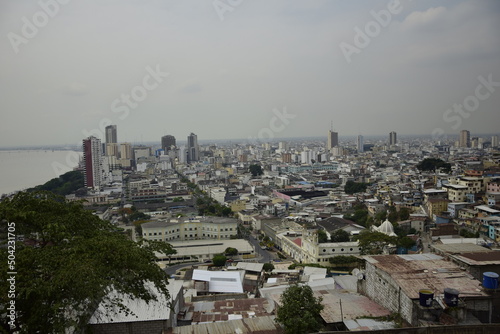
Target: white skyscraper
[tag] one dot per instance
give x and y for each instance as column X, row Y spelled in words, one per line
column 360, row 144
column 494, row 141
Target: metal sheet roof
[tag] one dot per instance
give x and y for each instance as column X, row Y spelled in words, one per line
column 141, row 310
column 221, row 281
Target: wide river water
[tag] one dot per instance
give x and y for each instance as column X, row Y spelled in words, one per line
column 22, row 169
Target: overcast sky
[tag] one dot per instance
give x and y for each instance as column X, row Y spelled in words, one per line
column 240, row 68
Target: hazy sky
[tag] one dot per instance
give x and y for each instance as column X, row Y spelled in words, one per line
column 230, row 63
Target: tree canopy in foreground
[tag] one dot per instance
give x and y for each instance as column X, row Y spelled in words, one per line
column 68, row 262
column 299, row 311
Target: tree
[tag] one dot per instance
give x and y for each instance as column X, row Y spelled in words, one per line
column 340, row 236
column 299, row 311
column 404, row 214
column 69, row 261
column 322, row 236
column 352, row 187
column 231, row 251
column 268, row 267
column 65, row 184
column 406, row 242
column 374, row 242
column 219, row 260
column 431, row 164
column 255, row 170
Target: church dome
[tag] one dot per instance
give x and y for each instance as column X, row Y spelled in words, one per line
column 387, row 228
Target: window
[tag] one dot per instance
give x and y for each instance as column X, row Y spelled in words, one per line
column 350, row 249
column 341, row 249
column 324, row 250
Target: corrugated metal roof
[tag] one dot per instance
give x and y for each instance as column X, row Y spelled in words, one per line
column 221, row 281
column 434, row 274
column 258, row 325
column 250, row 266
column 141, row 311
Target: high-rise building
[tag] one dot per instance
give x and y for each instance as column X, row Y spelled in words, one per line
column 111, row 136
column 112, row 149
column 464, row 140
column 167, row 143
column 92, row 157
column 193, row 150
column 393, row 139
column 361, row 144
column 125, row 151
column 494, row 141
column 332, row 140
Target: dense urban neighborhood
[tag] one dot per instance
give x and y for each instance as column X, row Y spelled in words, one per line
column 378, row 234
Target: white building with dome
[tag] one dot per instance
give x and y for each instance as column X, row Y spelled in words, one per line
column 386, row 227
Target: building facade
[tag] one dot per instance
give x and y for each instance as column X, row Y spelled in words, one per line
column 92, row 157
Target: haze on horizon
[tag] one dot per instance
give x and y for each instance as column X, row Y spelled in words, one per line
column 233, row 66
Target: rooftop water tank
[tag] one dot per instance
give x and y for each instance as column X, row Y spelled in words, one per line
column 451, row 297
column 490, row 280
column 426, row 296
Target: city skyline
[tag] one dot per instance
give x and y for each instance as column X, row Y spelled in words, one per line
column 182, row 67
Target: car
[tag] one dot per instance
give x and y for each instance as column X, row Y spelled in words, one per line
column 207, row 261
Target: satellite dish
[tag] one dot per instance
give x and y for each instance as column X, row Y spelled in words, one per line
column 355, row 272
column 360, row 276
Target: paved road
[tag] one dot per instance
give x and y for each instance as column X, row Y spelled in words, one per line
column 171, row 270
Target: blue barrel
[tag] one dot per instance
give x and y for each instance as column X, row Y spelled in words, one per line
column 490, row 280
column 426, row 296
column 451, row 297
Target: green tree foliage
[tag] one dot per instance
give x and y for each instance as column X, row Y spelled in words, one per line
column 137, row 215
column 431, row 164
column 352, row 187
column 360, row 215
column 63, row 185
column 68, row 262
column 255, row 170
column 405, row 242
column 340, row 236
column 374, row 242
column 381, row 215
column 299, row 311
column 219, row 260
column 231, row 251
column 268, row 267
column 344, row 260
column 322, row 236
column 404, row 214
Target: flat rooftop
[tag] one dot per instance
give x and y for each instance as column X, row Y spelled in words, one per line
column 426, row 271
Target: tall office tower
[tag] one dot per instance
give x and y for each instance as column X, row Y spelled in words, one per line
column 393, row 139
column 111, row 134
column 332, row 140
column 167, row 143
column 92, row 168
column 494, row 141
column 125, row 151
column 464, row 140
column 112, row 149
column 361, row 144
column 193, row 150
column 111, row 138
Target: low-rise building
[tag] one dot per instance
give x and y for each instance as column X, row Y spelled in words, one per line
column 197, row 228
